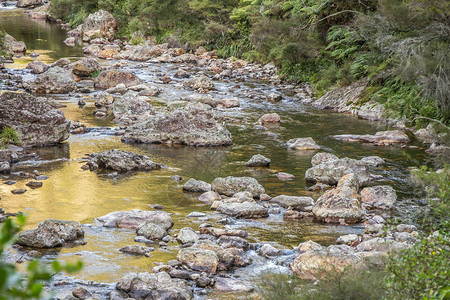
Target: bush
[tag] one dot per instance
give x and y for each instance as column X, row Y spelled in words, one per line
column 8, row 135
column 420, row 272
column 14, row 285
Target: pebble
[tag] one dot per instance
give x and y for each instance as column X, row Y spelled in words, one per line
column 157, row 206
column 9, row 182
column 18, row 191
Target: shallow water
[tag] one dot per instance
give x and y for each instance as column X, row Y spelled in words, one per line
column 73, row 194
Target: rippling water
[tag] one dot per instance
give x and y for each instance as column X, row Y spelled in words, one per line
column 73, row 194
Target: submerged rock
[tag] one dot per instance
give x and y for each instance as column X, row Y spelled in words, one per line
column 258, row 160
column 194, row 125
column 269, row 118
column 137, row 250
column 380, row 138
column 55, row 80
column 36, row 122
column 231, row 185
column 302, row 144
column 121, row 161
column 50, row 234
column 340, row 203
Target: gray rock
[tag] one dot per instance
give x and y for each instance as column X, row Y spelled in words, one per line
column 258, row 160
column 137, row 250
column 209, row 197
column 232, row 285
column 244, row 210
column 231, row 185
column 131, row 109
column 51, row 233
column 200, row 83
column 196, row 186
column 86, row 67
column 151, row 231
column 302, row 144
column 132, row 219
column 37, row 67
column 197, row 259
column 113, row 77
column 99, row 24
column 380, row 138
column 267, row 250
column 381, row 197
column 285, row 176
column 55, row 80
column 187, row 235
column 297, row 203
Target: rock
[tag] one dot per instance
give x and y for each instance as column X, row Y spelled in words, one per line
column 231, row 185
column 64, row 63
column 137, row 250
column 113, row 77
column 312, row 264
column 18, row 191
column 307, row 246
column 241, row 259
column 121, row 161
column 379, row 244
column 14, row 46
column 194, row 125
column 269, row 118
column 228, row 102
column 302, row 144
column 142, row 286
column 104, row 99
column 381, row 197
column 341, row 202
column 196, row 186
column 258, row 160
column 232, row 285
column 181, row 74
column 199, row 259
column 209, row 197
column 374, row 229
column 329, row 170
column 268, row 250
column 28, row 3
column 205, row 99
column 132, row 219
column 297, row 203
column 36, row 122
column 55, row 80
column 199, row 83
column 131, row 109
column 144, row 53
column 228, row 241
column 373, row 161
column 380, row 138
column 187, row 235
column 406, row 228
column 40, row 12
column 81, row 293
column 349, row 239
column 37, row 67
column 274, row 97
column 151, row 231
column 244, row 210
column 285, row 176
column 218, row 232
column 86, row 67
column 34, row 184
column 50, row 234
column 404, row 237
column 226, row 259
column 70, row 41
column 99, row 24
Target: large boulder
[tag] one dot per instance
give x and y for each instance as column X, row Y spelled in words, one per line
column 196, row 186
column 37, row 67
column 143, row 53
column 86, row 67
column 131, row 108
column 245, row 210
column 195, row 125
column 113, row 77
column 315, row 263
column 36, row 122
column 14, row 46
column 329, row 169
column 231, row 185
column 121, row 161
column 226, row 259
column 381, row 197
column 132, row 219
column 151, row 231
column 55, row 80
column 198, row 259
column 51, row 233
column 99, row 25
column 340, row 203
column 142, row 286
column 28, row 3
column 297, row 203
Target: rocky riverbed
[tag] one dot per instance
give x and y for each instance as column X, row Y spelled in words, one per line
column 178, row 175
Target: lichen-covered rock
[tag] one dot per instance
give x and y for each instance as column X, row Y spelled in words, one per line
column 142, row 286
column 113, row 77
column 340, row 203
column 28, row 3
column 380, row 138
column 269, row 119
column 146, row 52
column 381, row 197
column 195, row 125
column 99, row 24
column 245, row 210
column 258, row 160
column 86, row 67
column 226, row 259
column 231, row 185
column 297, row 203
column 187, row 235
column 37, row 67
column 151, row 231
column 51, row 233
column 121, row 161
column 36, row 122
column 196, row 186
column 14, row 46
column 131, row 108
column 55, row 80
column 200, row 83
column 228, row 102
column 197, row 259
column 302, row 144
column 132, row 219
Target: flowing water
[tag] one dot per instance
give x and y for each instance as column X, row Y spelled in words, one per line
column 73, row 194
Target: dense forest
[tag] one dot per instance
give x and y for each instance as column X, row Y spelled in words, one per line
column 399, row 47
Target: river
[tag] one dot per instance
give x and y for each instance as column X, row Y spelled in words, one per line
column 73, row 194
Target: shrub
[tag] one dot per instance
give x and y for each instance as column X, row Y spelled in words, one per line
column 8, row 135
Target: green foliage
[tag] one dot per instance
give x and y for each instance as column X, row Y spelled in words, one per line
column 437, row 188
column 420, row 272
column 349, row 284
column 14, row 285
column 8, row 135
